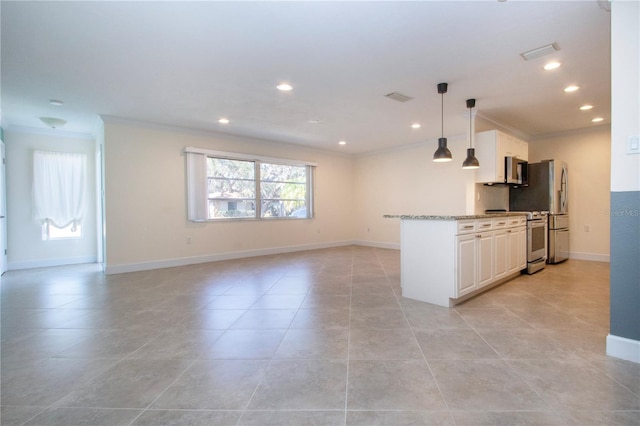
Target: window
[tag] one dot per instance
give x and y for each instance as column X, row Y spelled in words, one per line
column 232, row 188
column 224, row 185
column 59, row 193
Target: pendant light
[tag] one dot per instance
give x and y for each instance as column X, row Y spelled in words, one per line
column 471, row 162
column 442, row 154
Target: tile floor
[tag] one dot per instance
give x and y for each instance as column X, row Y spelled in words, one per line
column 312, row 338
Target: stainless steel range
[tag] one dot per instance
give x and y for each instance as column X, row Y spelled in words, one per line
column 536, row 241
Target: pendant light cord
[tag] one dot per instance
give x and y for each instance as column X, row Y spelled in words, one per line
column 442, row 115
column 470, row 135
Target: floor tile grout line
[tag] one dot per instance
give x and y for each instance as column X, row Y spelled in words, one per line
column 402, row 308
column 273, row 357
column 346, row 385
column 179, row 376
column 413, row 334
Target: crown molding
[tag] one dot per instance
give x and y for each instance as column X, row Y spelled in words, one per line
column 48, row 132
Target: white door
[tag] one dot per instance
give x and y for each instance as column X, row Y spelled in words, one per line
column 3, row 215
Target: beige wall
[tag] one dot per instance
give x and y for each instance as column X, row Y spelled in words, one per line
column 145, row 201
column 588, row 154
column 26, row 249
column 407, row 181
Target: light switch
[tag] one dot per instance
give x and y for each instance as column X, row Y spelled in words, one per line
column 633, row 145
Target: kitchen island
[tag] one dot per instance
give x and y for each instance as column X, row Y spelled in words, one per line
column 448, row 259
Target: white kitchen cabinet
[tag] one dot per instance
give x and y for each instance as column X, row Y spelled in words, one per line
column 484, row 262
column 446, row 259
column 466, row 249
column 492, row 147
column 501, row 252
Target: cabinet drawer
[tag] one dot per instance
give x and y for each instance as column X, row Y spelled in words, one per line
column 500, row 223
column 513, row 222
column 464, row 227
column 483, row 225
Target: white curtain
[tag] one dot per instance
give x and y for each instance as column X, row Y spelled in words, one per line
column 59, row 187
column 197, row 191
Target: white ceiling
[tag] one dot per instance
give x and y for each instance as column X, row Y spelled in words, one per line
column 189, row 63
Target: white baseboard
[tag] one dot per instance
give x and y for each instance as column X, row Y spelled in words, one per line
column 378, row 244
column 182, row 261
column 623, row 348
column 589, row 256
column 44, row 263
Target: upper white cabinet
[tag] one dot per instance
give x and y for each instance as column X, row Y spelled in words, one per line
column 491, row 148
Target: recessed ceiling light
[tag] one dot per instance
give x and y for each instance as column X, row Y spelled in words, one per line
column 314, row 121
column 285, row 87
column 56, row 102
column 597, row 119
column 552, row 66
column 571, row 88
column 223, row 121
column 342, row 143
column 416, row 126
column 586, row 107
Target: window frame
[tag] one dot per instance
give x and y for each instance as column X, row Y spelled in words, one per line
column 257, row 161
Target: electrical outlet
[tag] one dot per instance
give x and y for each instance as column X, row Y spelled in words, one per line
column 587, row 228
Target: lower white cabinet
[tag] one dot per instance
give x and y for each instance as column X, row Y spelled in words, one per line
column 484, row 242
column 489, row 254
column 445, row 258
column 517, row 253
column 466, row 271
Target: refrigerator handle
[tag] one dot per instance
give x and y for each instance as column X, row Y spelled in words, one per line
column 564, row 191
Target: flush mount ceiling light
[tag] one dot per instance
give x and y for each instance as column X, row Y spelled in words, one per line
column 342, row 143
column 540, row 51
column 571, row 88
column 471, row 162
column 53, row 122
column 284, row 87
column 223, row 120
column 552, row 65
column 416, row 126
column 586, row 107
column 442, row 154
column 56, row 102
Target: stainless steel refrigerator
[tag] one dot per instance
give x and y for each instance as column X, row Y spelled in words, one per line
column 548, row 191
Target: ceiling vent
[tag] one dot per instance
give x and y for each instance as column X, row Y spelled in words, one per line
column 398, row 97
column 540, row 51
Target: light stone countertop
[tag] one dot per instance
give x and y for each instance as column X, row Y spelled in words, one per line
column 452, row 217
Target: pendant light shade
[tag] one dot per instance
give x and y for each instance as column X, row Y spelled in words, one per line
column 471, row 162
column 442, row 154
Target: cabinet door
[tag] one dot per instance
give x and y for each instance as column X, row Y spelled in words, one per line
column 518, row 249
column 502, row 147
column 514, row 251
column 465, row 264
column 501, row 258
column 484, row 258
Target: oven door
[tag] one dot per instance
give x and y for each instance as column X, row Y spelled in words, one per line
column 536, row 240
